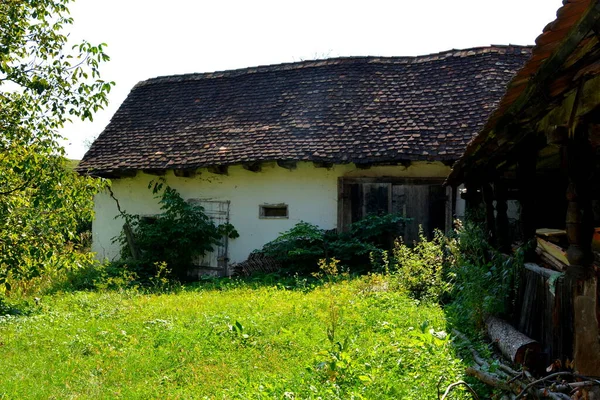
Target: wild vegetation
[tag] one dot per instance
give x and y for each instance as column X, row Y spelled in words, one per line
column 300, row 249
column 334, row 338
column 485, row 281
column 174, row 237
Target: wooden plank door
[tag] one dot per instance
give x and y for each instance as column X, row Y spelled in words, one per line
column 216, row 260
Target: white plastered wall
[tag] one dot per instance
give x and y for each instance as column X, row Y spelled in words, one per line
column 309, row 192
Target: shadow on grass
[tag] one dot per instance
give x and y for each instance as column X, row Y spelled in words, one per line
column 465, row 338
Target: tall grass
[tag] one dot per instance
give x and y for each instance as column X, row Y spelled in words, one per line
column 230, row 340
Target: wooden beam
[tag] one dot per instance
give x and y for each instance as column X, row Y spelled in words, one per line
column 287, row 164
column 253, row 167
column 184, row 173
column 321, row 164
column 364, row 166
column 218, row 169
column 155, row 171
column 118, row 174
column 395, row 180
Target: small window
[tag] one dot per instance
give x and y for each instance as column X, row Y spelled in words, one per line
column 148, row 219
column 273, row 211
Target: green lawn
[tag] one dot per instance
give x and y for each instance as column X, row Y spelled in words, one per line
column 233, row 342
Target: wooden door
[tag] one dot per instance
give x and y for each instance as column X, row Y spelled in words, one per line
column 216, row 260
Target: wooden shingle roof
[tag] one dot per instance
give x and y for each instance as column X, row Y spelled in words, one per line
column 363, row 110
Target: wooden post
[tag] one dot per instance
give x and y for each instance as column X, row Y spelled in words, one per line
column 472, row 201
column 579, row 222
column 526, row 183
column 579, row 226
column 502, row 236
column 133, row 249
column 490, row 221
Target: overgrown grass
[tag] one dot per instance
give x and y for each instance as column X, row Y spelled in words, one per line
column 230, row 340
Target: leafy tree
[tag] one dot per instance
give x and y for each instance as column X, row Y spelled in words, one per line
column 43, row 84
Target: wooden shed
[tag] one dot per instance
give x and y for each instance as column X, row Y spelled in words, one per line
column 541, row 147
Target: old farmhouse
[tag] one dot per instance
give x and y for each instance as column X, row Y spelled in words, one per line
column 324, row 141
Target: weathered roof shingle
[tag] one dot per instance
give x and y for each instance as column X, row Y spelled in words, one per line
column 357, row 109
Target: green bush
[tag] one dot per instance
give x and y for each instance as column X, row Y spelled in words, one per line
column 177, row 235
column 300, row 248
column 422, row 269
column 486, row 280
column 463, row 271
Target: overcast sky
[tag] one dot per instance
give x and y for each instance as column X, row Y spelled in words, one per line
column 148, row 38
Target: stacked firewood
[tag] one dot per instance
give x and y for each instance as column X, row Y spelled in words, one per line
column 256, row 263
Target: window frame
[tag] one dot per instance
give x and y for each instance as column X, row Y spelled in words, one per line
column 263, row 207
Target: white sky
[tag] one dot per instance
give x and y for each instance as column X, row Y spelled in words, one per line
column 153, row 38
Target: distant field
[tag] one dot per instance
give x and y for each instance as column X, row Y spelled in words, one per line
column 72, row 164
column 233, row 342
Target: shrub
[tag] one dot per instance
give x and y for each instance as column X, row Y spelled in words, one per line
column 422, row 269
column 177, row 235
column 301, row 248
column 486, row 280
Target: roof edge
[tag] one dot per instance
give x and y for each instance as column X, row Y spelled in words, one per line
column 498, row 49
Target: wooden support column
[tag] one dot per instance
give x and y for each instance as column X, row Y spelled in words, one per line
column 454, row 205
column 502, row 236
column 579, row 226
column 490, row 221
column 472, row 201
column 579, row 222
column 526, row 163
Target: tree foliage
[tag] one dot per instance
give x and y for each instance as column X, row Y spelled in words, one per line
column 43, row 84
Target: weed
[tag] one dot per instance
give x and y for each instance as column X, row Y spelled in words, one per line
column 422, row 270
column 486, row 280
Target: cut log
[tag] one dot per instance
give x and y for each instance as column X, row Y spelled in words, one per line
column 514, row 345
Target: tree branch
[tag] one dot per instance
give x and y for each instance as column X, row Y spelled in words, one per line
column 455, row 384
column 23, row 186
